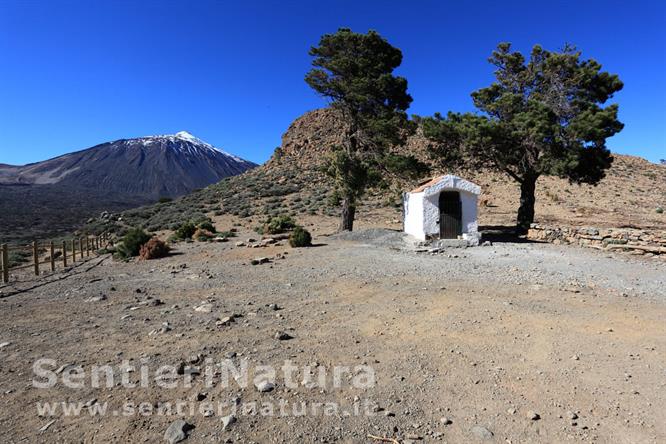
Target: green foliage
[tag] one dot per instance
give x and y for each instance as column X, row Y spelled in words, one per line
column 208, row 226
column 164, row 199
column 278, row 224
column 185, row 231
column 355, row 72
column 130, row 244
column 300, row 237
column 18, row 257
column 544, row 116
column 659, row 210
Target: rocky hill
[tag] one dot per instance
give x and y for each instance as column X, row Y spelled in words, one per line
column 291, row 182
column 57, row 195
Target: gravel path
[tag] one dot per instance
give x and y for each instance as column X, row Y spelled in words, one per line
column 506, row 343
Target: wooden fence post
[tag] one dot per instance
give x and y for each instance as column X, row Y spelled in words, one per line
column 87, row 246
column 35, row 255
column 81, row 247
column 52, row 256
column 64, row 254
column 5, row 263
column 73, row 250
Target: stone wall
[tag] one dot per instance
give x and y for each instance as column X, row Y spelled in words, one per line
column 647, row 242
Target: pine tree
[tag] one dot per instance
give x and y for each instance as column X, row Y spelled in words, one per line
column 355, row 73
column 540, row 117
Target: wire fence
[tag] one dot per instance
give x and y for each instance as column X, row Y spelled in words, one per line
column 49, row 255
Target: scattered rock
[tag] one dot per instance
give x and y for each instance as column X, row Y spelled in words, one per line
column 264, row 386
column 177, row 431
column 259, row 260
column 446, row 421
column 227, row 421
column 283, row 336
column 5, row 344
column 534, row 416
column 204, row 308
column 482, row 432
column 227, row 320
column 98, row 298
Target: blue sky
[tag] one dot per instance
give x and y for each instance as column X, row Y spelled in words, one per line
column 77, row 73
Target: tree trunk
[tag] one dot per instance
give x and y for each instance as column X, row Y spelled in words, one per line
column 347, row 215
column 526, row 209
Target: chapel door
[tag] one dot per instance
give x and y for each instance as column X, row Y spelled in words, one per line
column 450, row 215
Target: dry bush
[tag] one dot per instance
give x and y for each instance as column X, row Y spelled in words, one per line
column 154, row 249
column 202, row 235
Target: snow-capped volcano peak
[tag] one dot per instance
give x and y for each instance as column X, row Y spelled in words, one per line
column 184, row 135
column 192, row 143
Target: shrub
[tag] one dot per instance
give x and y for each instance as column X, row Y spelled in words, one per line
column 300, row 237
column 164, row 199
column 185, row 231
column 18, row 257
column 154, row 249
column 131, row 243
column 202, row 235
column 278, row 224
column 660, row 210
column 208, row 226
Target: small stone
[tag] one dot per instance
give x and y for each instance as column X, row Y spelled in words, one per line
column 446, row 421
column 264, row 386
column 227, row 320
column 197, row 397
column 177, row 431
column 572, row 415
column 230, row 355
column 227, row 421
column 204, row 308
column 534, row 416
column 273, row 307
column 98, row 298
column 5, row 344
column 482, row 432
column 575, row 357
column 282, row 336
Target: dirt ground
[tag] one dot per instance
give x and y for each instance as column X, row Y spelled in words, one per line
column 514, row 342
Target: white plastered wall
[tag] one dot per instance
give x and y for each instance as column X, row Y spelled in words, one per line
column 414, row 215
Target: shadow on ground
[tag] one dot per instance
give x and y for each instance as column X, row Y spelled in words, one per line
column 502, row 233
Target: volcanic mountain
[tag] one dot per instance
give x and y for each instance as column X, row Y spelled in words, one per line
column 60, row 193
column 150, row 167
